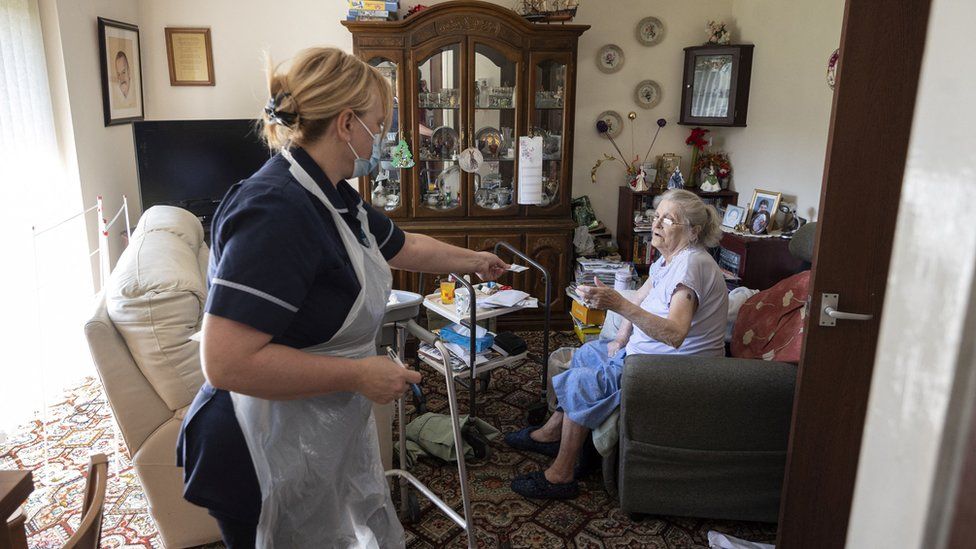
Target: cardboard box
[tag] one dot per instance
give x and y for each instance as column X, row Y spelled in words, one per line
column 584, row 332
column 587, row 315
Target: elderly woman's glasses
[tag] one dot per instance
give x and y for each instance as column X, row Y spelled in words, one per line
column 666, row 221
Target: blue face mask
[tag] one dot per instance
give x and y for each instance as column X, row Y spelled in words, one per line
column 365, row 166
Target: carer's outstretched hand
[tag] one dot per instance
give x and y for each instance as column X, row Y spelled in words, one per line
column 382, row 380
column 489, row 266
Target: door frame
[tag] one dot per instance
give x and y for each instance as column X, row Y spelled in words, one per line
column 831, row 397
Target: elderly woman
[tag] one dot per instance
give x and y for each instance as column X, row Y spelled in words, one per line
column 681, row 309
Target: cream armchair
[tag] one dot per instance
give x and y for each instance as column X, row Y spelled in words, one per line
column 151, row 371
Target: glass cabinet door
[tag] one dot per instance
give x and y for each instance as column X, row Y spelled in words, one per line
column 439, row 186
column 385, row 189
column 712, row 86
column 494, row 85
column 548, row 100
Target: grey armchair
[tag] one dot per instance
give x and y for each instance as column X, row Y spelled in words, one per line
column 704, row 437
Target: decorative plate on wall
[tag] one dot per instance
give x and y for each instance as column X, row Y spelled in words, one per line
column 615, row 123
column 650, row 31
column 647, row 94
column 610, row 58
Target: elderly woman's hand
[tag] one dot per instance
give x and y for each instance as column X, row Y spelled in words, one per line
column 600, row 296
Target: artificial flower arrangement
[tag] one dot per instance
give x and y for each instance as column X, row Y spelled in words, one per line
column 635, row 168
column 708, row 169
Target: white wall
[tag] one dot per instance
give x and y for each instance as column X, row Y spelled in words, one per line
column 105, row 160
column 241, row 31
column 784, row 144
column 923, row 341
column 782, row 149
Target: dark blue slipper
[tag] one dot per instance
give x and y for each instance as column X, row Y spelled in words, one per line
column 535, row 485
column 520, row 440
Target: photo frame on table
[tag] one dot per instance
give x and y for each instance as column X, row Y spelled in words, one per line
column 120, row 62
column 189, row 53
column 762, row 211
column 734, row 215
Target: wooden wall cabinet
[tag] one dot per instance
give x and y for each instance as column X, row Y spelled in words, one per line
column 474, row 74
column 715, row 87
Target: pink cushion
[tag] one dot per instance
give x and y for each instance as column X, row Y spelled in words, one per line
column 770, row 323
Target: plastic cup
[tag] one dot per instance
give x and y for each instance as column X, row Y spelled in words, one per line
column 447, row 291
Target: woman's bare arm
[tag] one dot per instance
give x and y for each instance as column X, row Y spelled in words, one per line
column 239, row 358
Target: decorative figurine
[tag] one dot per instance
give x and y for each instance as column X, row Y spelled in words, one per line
column 676, row 181
column 401, row 156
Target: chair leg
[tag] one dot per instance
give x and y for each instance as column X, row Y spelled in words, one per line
column 16, row 533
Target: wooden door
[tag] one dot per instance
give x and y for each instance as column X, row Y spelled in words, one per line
column 551, row 101
column 438, row 71
column 852, row 256
column 494, row 118
column 552, row 251
column 389, row 189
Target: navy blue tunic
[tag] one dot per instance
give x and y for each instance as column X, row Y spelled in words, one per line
column 277, row 264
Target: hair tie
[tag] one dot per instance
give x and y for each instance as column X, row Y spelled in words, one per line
column 276, row 116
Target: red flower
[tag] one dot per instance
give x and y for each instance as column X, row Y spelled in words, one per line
column 697, row 139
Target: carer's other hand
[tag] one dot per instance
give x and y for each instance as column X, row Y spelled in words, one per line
column 489, row 267
column 382, row 380
column 600, row 296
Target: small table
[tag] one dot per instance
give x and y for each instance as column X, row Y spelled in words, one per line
column 15, row 486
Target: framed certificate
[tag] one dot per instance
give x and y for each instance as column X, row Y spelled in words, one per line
column 190, row 56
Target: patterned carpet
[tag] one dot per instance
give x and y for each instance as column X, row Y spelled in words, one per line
column 81, row 424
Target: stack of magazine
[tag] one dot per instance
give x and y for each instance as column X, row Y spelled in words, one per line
column 459, row 355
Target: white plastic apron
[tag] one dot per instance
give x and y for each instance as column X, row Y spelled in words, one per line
column 317, row 459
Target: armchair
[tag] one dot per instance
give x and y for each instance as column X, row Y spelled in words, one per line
column 704, row 437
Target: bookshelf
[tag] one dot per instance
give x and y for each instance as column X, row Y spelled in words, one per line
column 632, row 243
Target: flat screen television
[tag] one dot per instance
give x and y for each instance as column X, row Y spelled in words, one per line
column 192, row 163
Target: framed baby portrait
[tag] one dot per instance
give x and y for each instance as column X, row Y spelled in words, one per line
column 121, row 67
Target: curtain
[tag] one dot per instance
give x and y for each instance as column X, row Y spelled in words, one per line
column 46, row 279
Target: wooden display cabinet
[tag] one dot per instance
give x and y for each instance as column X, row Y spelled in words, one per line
column 715, row 87
column 474, row 74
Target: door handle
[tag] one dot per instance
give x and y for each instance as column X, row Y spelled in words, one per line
column 829, row 313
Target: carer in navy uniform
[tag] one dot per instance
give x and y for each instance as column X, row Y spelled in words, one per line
column 280, row 444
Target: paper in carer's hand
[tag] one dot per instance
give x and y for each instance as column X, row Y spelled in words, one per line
column 517, row 268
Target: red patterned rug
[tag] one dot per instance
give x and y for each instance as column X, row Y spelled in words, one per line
column 57, row 449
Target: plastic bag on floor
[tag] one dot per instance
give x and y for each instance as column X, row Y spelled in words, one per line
column 718, row 540
column 432, row 435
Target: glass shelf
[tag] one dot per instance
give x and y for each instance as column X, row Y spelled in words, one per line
column 549, row 108
column 494, row 108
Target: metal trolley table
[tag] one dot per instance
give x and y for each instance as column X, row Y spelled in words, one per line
column 399, row 318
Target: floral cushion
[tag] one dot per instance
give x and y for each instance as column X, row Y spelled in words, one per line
column 770, row 323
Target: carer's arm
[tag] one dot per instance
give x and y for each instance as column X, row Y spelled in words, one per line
column 421, row 253
column 239, row 358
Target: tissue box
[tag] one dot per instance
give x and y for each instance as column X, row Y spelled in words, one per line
column 587, row 315
column 453, row 333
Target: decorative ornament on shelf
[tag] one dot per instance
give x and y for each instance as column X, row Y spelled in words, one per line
column 676, row 181
column 401, row 157
column 636, row 171
column 717, row 33
column 415, row 9
column 698, row 143
column 547, row 11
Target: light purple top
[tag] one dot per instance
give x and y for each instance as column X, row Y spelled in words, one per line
column 694, row 268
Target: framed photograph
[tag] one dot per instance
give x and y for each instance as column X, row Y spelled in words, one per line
column 121, row 66
column 733, row 216
column 190, row 56
column 666, row 165
column 762, row 210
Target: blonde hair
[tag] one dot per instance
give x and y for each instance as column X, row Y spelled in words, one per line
column 318, row 85
column 703, row 220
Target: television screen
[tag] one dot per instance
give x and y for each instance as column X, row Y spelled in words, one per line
column 192, row 163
